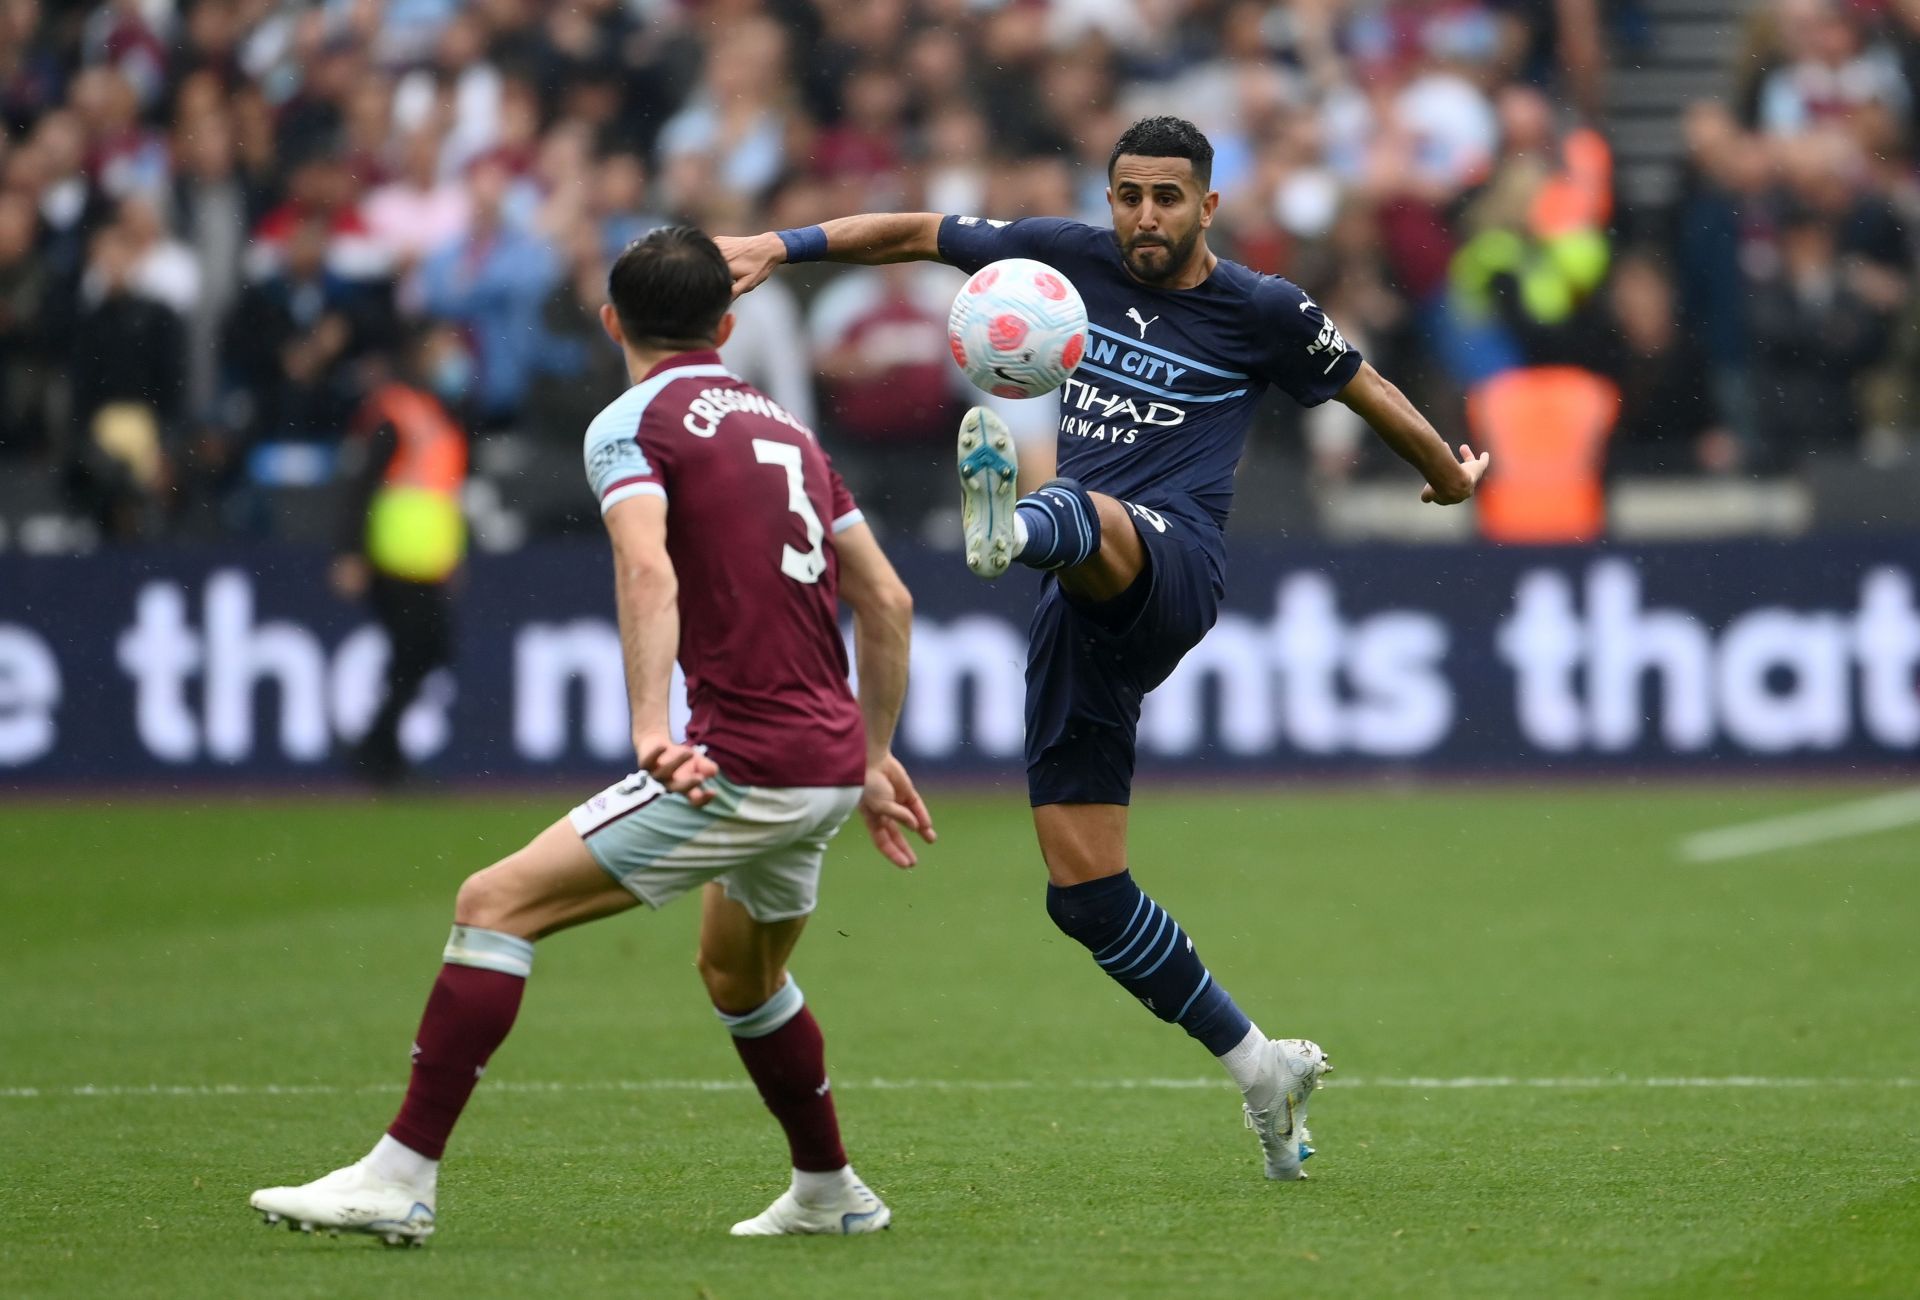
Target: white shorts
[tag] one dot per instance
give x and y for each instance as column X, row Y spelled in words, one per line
column 762, row 843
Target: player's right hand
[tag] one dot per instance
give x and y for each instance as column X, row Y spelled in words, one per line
column 1454, row 494
column 682, row 769
column 751, row 258
column 889, row 803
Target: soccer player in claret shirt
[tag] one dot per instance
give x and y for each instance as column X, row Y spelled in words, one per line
column 733, row 539
column 1181, row 345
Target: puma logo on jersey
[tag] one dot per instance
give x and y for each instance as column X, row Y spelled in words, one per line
column 1133, row 314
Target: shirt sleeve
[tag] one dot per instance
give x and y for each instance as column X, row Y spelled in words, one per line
column 617, row 466
column 971, row 242
column 846, row 512
column 1306, row 354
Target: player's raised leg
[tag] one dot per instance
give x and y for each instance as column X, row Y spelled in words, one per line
column 1061, row 527
column 1093, row 899
column 390, row 1193
column 744, row 965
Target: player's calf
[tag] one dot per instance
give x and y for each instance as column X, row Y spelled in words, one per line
column 785, row 1054
column 1143, row 949
column 390, row 1192
column 1056, row 526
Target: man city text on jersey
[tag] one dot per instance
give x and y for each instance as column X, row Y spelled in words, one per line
column 1158, row 410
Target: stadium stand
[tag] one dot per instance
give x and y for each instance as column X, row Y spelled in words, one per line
column 218, row 216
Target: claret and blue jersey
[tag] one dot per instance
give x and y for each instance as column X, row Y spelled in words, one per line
column 1157, row 412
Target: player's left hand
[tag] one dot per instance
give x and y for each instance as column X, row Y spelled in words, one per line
column 682, row 769
column 1454, row 494
column 751, row 258
column 889, row 803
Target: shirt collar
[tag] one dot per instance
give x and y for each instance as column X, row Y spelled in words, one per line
column 679, row 360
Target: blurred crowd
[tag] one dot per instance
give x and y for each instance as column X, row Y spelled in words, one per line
column 221, row 220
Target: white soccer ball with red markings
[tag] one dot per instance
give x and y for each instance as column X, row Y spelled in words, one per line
column 1018, row 328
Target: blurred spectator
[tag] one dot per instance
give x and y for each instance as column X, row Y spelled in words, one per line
column 958, row 161
column 211, row 212
column 123, row 154
column 119, row 36
column 417, row 212
column 1668, row 424
column 1719, row 229
column 320, row 188
column 1830, row 71
column 493, row 282
column 733, row 118
column 164, row 269
column 620, row 203
column 290, row 339
column 461, row 86
column 31, row 74
column 127, row 362
column 1565, row 37
column 1815, row 331
column 863, row 149
column 1520, row 285
column 880, row 338
column 580, row 369
column 25, row 357
column 408, row 28
column 56, row 157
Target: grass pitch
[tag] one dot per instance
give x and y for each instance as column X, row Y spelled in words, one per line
column 237, row 984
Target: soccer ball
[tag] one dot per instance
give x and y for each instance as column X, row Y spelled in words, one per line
column 1018, row 328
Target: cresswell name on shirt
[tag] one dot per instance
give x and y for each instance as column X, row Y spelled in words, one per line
column 705, row 412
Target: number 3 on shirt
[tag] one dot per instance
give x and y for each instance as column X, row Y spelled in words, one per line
column 807, row 565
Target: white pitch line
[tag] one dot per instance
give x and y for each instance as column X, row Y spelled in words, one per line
column 951, row 1085
column 1842, row 821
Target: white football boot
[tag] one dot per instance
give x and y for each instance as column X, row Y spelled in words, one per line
column 353, row 1199
column 853, row 1209
column 1276, row 1110
column 989, row 485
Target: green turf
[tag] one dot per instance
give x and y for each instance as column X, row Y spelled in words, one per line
column 1549, row 934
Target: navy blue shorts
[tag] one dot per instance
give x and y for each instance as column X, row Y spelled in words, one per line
column 1090, row 666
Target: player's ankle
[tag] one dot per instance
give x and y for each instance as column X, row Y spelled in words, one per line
column 814, row 1187
column 396, row 1162
column 1249, row 1061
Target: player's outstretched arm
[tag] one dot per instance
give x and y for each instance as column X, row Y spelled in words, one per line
column 647, row 596
column 871, row 239
column 882, row 639
column 1402, row 427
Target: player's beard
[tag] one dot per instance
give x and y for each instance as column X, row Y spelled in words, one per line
column 1177, row 251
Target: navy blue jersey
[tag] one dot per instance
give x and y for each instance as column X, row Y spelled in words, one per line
column 1157, row 412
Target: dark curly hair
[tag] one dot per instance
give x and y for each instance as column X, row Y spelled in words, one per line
column 1166, row 137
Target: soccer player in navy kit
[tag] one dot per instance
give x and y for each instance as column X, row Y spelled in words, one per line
column 1181, row 344
column 733, row 541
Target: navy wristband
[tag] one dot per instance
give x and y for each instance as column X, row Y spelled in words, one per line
column 805, row 244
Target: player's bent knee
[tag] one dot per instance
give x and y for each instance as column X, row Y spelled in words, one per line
column 488, row 900
column 736, row 988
